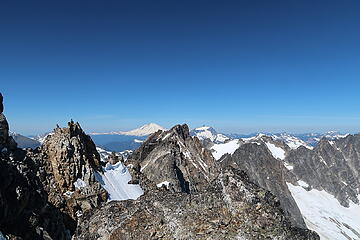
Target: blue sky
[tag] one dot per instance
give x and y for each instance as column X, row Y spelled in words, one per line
column 240, row 66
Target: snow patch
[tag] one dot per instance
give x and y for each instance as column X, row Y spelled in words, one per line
column 220, row 149
column 68, row 194
column 165, row 183
column 292, row 141
column 80, row 183
column 277, row 152
column 115, row 181
column 303, row 184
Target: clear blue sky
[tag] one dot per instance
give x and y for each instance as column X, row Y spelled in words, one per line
column 240, row 66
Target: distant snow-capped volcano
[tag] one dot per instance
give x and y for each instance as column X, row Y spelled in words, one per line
column 142, row 131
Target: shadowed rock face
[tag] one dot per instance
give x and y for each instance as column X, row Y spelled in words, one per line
column 25, row 212
column 333, row 166
column 231, row 207
column 266, row 171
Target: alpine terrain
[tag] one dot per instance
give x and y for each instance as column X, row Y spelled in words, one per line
column 179, row 184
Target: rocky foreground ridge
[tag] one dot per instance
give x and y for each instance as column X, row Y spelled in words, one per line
column 51, row 193
column 189, row 196
column 38, row 197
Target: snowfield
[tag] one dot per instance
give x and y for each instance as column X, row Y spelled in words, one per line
column 277, row 152
column 115, row 181
column 291, row 141
column 220, row 149
column 325, row 215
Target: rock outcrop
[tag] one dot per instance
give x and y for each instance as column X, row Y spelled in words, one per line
column 231, row 207
column 25, row 212
column 69, row 159
column 176, row 158
column 6, row 141
column 266, row 171
column 44, row 191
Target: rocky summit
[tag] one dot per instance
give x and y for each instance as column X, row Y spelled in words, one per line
column 44, row 191
column 175, row 159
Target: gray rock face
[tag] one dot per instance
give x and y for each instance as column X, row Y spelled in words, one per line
column 68, row 158
column 333, row 166
column 266, row 171
column 174, row 156
column 49, row 188
column 231, row 207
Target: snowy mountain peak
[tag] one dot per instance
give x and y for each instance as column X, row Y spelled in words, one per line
column 206, row 132
column 139, row 132
column 144, row 130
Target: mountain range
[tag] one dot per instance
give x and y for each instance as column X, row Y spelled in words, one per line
column 180, row 184
column 130, row 140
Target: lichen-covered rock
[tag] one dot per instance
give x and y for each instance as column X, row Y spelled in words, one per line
column 231, row 207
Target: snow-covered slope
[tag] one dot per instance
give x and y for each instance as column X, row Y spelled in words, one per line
column 325, row 215
column 277, row 152
column 115, row 180
column 206, row 132
column 218, row 150
column 292, row 141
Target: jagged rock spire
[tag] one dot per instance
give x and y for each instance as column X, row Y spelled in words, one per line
column 4, row 126
column 5, row 140
column 1, row 103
